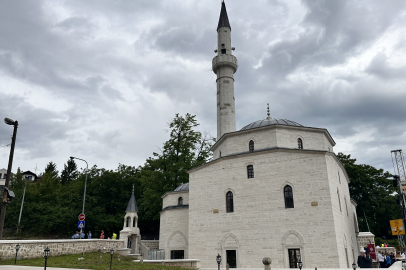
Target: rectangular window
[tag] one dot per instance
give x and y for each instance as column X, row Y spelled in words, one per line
column 223, row 51
column 5, row 176
column 250, row 171
column 294, row 257
column 177, row 254
column 231, row 258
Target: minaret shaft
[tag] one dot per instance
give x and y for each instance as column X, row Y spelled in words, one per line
column 225, row 65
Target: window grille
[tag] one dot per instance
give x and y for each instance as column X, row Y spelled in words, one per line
column 288, row 193
column 250, row 171
column 229, row 202
column 299, row 143
column 251, row 146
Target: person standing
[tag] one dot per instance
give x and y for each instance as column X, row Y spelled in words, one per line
column 114, row 236
column 364, row 261
column 388, row 261
column 89, row 235
column 102, row 235
column 381, row 260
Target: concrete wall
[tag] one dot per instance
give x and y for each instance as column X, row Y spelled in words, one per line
column 260, row 225
column 35, row 248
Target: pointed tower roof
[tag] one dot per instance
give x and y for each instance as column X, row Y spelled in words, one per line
column 223, row 21
column 132, row 204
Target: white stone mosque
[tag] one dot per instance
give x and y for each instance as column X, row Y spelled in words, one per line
column 274, row 189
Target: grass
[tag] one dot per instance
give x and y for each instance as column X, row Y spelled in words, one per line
column 90, row 261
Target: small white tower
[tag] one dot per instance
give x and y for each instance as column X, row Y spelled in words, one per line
column 225, row 65
column 131, row 233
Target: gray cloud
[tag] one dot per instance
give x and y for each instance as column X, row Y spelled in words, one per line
column 100, row 79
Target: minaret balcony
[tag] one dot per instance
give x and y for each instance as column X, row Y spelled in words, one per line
column 224, row 60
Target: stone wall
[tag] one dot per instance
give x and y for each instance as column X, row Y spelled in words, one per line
column 151, row 244
column 35, row 248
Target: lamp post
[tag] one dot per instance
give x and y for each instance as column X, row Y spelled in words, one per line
column 300, row 264
column 111, row 259
column 17, row 249
column 354, row 266
column 84, row 193
column 46, row 255
column 8, row 121
column 218, row 259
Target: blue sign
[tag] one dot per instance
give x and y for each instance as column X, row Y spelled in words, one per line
column 81, row 224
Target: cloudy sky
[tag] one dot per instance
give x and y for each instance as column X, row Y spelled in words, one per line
column 100, row 79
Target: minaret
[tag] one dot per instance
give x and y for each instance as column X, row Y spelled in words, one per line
column 225, row 65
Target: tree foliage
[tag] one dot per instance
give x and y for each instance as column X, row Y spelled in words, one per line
column 372, row 189
column 69, row 172
column 53, row 203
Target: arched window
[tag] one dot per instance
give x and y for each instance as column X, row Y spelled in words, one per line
column 229, row 202
column 134, row 222
column 299, row 143
column 220, row 153
column 288, row 193
column 346, row 206
column 250, row 171
column 339, row 201
column 128, row 222
column 251, row 146
column 180, row 201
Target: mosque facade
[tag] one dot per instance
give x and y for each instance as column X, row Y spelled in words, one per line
column 274, row 189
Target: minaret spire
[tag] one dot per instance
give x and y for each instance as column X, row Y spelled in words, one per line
column 225, row 65
column 223, row 20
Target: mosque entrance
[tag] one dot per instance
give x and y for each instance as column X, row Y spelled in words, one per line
column 231, row 258
column 294, row 257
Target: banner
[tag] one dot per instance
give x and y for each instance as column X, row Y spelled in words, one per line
column 371, row 249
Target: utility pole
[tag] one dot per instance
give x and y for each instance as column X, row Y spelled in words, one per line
column 8, row 121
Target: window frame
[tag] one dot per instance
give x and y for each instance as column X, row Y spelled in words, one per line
column 288, row 196
column 250, row 171
column 229, row 202
column 251, row 146
column 299, row 143
column 180, row 201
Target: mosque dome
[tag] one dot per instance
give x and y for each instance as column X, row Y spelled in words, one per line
column 183, row 187
column 269, row 122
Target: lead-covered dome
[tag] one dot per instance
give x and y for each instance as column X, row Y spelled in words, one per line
column 183, row 187
column 270, row 122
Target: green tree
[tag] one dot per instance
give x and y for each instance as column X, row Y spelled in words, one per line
column 51, row 168
column 372, row 189
column 69, row 172
column 185, row 149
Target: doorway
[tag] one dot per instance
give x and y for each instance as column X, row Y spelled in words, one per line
column 231, row 258
column 294, row 257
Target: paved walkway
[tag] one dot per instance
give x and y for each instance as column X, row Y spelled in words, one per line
column 20, row 267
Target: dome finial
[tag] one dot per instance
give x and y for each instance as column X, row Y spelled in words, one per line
column 269, row 116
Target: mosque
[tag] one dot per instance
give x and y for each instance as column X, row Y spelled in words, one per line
column 274, row 189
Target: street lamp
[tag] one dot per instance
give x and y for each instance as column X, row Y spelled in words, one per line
column 354, row 266
column 111, row 259
column 46, row 255
column 300, row 264
column 218, row 259
column 84, row 193
column 6, row 191
column 17, row 249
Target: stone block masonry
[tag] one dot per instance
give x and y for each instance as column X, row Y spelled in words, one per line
column 35, row 248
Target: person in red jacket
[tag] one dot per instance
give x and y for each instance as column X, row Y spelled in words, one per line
column 102, row 235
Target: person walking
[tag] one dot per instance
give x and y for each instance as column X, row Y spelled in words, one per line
column 102, row 235
column 364, row 261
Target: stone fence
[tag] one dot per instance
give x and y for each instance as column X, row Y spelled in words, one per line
column 35, row 248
